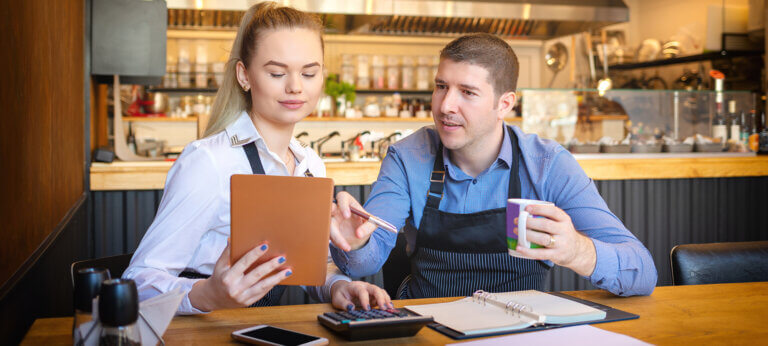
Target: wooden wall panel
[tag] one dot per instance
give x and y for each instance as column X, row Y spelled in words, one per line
column 42, row 132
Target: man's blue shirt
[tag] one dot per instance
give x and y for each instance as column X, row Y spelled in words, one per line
column 547, row 172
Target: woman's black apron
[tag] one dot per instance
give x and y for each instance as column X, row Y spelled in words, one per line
column 457, row 254
column 273, row 296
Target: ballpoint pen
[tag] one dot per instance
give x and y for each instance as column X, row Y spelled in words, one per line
column 374, row 219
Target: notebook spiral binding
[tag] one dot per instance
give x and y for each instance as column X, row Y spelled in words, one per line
column 510, row 307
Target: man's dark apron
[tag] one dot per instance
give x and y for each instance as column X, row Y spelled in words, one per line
column 457, row 254
column 273, row 296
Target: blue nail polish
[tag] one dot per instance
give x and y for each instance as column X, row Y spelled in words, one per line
column 350, row 307
column 367, row 307
column 288, row 273
column 264, row 247
column 281, row 260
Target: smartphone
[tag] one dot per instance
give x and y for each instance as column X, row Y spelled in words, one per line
column 269, row 335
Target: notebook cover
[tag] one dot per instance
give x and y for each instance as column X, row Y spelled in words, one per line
column 292, row 214
column 611, row 315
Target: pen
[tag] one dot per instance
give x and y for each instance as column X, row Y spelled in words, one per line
column 376, row 220
column 372, row 218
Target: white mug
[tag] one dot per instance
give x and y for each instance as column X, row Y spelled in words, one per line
column 516, row 210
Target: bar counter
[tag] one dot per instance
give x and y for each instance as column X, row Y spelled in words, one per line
column 663, row 199
column 122, row 175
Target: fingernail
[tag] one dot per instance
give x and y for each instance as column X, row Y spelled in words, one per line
column 350, row 307
column 281, row 260
column 264, row 247
column 367, row 307
column 391, row 305
column 288, row 273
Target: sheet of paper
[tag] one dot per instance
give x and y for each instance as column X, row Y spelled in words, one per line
column 584, row 335
column 469, row 317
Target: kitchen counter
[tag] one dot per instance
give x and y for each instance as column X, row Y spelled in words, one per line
column 122, row 175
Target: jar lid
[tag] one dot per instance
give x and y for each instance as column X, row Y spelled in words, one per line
column 87, row 286
column 118, row 303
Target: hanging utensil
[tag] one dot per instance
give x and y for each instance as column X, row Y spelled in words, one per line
column 555, row 59
column 605, row 83
column 591, row 56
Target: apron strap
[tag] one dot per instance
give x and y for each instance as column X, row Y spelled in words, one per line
column 437, row 177
column 253, row 158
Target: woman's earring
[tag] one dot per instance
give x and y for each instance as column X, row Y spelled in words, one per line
column 246, row 88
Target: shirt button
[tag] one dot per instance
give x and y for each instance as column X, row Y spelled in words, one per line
column 474, row 181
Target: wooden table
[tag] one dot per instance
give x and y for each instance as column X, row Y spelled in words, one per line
column 672, row 315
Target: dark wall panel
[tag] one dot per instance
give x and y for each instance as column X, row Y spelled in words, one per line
column 661, row 213
column 45, row 288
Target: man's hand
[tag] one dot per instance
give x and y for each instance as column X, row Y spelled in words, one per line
column 349, row 232
column 563, row 245
column 346, row 295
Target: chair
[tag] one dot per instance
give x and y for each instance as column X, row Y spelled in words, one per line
column 697, row 264
column 115, row 264
column 396, row 268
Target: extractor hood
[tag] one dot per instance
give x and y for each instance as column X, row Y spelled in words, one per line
column 531, row 19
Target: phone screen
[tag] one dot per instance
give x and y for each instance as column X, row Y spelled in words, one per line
column 280, row 336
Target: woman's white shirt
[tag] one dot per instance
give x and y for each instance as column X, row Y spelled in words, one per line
column 192, row 223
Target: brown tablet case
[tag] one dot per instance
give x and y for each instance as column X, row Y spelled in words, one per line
column 292, row 214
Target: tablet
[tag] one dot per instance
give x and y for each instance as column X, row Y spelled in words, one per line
column 292, row 214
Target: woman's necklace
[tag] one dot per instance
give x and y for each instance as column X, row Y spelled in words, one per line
column 290, row 162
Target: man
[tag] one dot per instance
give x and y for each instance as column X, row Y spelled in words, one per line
column 449, row 186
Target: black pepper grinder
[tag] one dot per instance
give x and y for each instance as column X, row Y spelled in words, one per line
column 119, row 313
column 87, row 285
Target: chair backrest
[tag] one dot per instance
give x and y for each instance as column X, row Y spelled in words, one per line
column 696, row 264
column 396, row 268
column 115, row 264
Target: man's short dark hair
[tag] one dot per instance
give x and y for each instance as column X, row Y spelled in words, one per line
column 489, row 52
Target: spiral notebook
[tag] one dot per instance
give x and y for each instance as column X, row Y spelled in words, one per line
column 485, row 314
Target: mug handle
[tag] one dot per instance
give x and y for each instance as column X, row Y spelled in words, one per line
column 521, row 228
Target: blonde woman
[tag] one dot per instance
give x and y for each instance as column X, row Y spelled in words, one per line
column 272, row 81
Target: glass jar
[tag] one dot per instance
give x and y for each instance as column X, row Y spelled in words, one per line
column 347, row 69
column 363, row 77
column 372, row 108
column 393, row 72
column 406, row 77
column 87, row 285
column 377, row 72
column 119, row 313
column 423, row 71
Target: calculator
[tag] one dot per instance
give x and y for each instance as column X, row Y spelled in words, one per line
column 374, row 323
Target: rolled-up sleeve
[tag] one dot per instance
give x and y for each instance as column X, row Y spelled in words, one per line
column 389, row 200
column 624, row 265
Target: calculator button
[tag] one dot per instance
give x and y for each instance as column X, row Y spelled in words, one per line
column 334, row 316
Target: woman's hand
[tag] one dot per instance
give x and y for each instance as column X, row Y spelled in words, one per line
column 346, row 295
column 232, row 287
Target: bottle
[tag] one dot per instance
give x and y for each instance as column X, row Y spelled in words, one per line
column 735, row 130
column 763, row 140
column 131, row 139
column 754, row 136
column 119, row 313
column 719, row 127
column 744, row 136
column 87, row 285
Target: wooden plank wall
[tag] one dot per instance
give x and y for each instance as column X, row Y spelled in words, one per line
column 42, row 135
